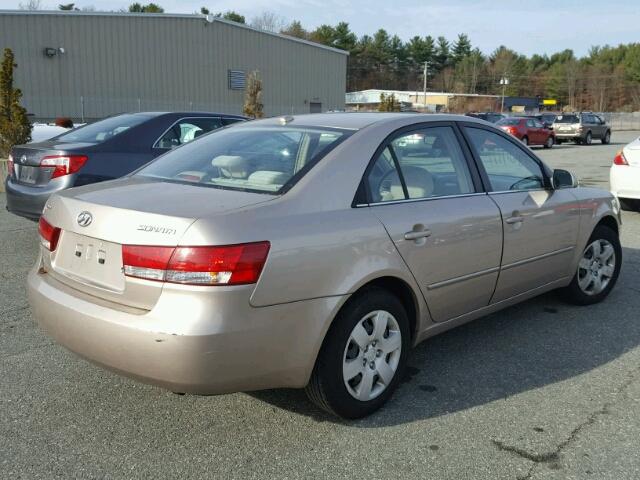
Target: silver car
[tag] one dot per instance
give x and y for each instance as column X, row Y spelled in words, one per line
column 313, row 251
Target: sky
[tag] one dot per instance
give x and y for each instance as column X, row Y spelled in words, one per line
column 525, row 26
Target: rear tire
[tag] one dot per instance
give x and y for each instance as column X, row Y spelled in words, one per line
column 606, row 140
column 525, row 140
column 588, row 140
column 598, row 269
column 353, row 379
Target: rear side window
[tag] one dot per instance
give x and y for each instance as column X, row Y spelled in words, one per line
column 186, row 130
column 230, row 121
column 103, row 130
column 431, row 164
column 507, row 166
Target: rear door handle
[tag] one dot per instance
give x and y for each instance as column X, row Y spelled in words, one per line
column 512, row 220
column 413, row 235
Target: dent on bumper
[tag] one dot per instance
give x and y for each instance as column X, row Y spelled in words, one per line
column 207, row 342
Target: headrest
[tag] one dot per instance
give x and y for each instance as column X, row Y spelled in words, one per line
column 232, row 166
column 268, row 177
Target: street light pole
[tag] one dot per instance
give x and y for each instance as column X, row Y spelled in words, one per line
column 504, row 81
column 424, row 88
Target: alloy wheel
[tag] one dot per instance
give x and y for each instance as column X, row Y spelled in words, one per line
column 597, row 267
column 372, row 355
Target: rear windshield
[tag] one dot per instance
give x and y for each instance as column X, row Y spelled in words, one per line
column 261, row 159
column 509, row 121
column 568, row 119
column 103, row 129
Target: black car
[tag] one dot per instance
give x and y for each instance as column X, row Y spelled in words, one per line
column 492, row 117
column 546, row 119
column 99, row 151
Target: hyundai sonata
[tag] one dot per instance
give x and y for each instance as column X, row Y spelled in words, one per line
column 313, row 251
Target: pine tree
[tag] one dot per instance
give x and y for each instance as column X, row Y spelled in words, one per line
column 253, row 96
column 15, row 128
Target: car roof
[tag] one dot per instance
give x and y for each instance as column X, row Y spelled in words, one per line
column 192, row 114
column 357, row 120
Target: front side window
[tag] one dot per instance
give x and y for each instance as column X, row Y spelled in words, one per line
column 186, row 130
column 431, row 163
column 507, row 166
column 259, row 159
column 103, row 130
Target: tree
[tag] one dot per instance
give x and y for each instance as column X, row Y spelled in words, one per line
column 232, row 16
column 388, row 103
column 67, row 6
column 253, row 96
column 150, row 8
column 295, row 29
column 269, row 21
column 15, row 128
column 31, row 5
column 461, row 48
column 204, row 11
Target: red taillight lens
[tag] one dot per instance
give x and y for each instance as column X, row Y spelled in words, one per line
column 63, row 164
column 10, row 165
column 49, row 234
column 225, row 265
column 620, row 159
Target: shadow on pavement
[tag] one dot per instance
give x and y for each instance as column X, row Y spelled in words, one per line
column 527, row 346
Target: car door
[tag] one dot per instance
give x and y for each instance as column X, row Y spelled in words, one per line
column 184, row 131
column 598, row 126
column 540, row 224
column 543, row 131
column 531, row 132
column 429, row 198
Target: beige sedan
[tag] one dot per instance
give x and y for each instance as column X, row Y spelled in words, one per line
column 313, row 251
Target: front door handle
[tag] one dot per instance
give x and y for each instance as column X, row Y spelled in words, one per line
column 515, row 219
column 413, row 235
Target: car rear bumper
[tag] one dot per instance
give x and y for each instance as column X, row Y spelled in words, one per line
column 28, row 201
column 625, row 181
column 567, row 135
column 196, row 339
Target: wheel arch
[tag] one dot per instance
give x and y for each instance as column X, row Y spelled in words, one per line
column 610, row 222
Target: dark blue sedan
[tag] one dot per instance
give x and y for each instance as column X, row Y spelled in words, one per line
column 103, row 150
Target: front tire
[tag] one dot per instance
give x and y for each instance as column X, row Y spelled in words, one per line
column 588, row 140
column 597, row 270
column 549, row 142
column 363, row 356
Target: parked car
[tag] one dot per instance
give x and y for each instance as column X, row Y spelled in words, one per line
column 313, row 251
column 625, row 176
column 103, row 150
column 43, row 131
column 581, row 128
column 529, row 131
column 546, row 119
column 491, row 117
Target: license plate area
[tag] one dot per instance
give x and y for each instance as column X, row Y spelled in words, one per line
column 28, row 174
column 90, row 261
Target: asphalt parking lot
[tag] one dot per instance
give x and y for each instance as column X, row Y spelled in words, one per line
column 540, row 390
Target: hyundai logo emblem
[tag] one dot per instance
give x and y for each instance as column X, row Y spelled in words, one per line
column 85, row 219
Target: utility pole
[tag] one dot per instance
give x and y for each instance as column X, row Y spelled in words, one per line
column 424, row 88
column 504, row 81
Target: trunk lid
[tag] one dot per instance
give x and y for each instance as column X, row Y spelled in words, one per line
column 133, row 211
column 632, row 153
column 27, row 160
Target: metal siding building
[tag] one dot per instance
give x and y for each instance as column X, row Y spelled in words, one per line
column 117, row 62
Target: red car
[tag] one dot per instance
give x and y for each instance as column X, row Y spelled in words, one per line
column 528, row 130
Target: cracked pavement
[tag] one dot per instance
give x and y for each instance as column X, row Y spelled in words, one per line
column 542, row 390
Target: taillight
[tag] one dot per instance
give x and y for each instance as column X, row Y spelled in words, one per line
column 223, row 265
column 620, row 159
column 10, row 165
column 49, row 234
column 63, row 164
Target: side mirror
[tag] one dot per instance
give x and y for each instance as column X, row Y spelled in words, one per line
column 563, row 179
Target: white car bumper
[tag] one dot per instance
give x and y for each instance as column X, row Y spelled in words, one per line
column 625, row 181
